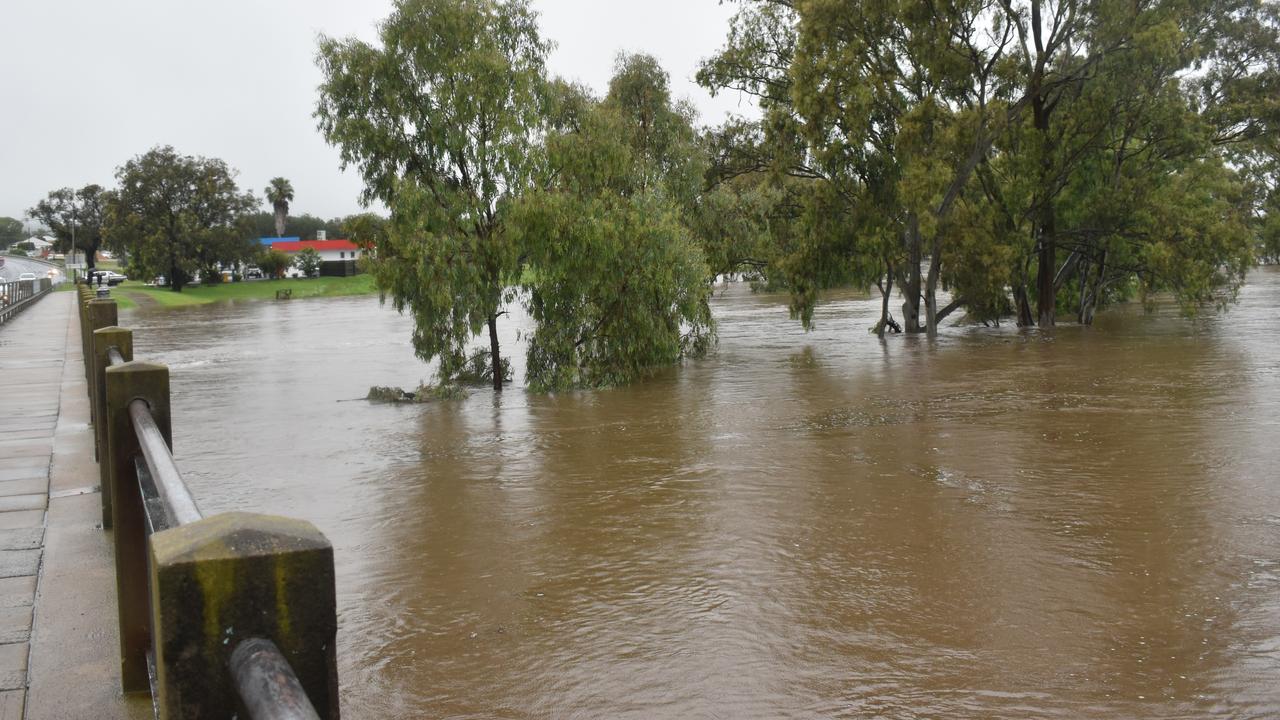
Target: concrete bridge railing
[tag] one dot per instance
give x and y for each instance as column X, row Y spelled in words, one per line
column 228, row 615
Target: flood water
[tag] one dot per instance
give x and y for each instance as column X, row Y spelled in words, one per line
column 1002, row 523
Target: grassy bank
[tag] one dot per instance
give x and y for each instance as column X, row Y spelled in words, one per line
column 132, row 294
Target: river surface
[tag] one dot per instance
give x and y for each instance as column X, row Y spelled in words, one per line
column 1002, row 523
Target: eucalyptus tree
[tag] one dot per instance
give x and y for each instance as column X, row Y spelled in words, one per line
column 875, row 103
column 279, row 193
column 1140, row 119
column 619, row 284
column 75, row 217
column 442, row 117
column 177, row 215
column 988, row 135
column 772, row 209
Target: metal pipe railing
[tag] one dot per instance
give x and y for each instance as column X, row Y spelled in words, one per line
column 188, row 584
column 267, row 684
column 173, row 492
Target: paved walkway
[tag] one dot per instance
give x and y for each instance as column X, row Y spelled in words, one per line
column 62, row 660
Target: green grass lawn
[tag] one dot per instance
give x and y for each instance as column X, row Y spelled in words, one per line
column 248, row 290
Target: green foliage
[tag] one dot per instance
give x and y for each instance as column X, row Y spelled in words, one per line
column 273, row 262
column 76, row 217
column 365, row 230
column 303, row 226
column 441, row 120
column 1068, row 156
column 308, row 262
column 425, row 393
column 619, row 284
column 11, row 231
column 176, row 215
column 476, row 370
column 1269, row 230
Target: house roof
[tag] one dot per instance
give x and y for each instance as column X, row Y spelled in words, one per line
column 293, row 246
column 269, row 240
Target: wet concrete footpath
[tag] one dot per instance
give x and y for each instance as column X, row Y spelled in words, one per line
column 58, row 642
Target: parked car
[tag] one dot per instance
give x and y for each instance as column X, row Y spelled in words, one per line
column 27, row 276
column 109, row 276
column 253, row 273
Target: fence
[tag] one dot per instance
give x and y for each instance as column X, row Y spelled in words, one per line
column 18, row 295
column 229, row 615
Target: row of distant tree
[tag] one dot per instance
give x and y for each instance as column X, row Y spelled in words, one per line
column 174, row 215
column 1038, row 160
column 14, row 231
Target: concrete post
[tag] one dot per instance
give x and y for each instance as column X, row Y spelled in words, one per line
column 102, row 313
column 126, row 383
column 104, row 340
column 82, row 303
column 231, row 577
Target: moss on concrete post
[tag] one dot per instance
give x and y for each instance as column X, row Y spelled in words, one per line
column 125, row 383
column 230, row 577
column 101, row 313
column 104, row 340
column 82, row 307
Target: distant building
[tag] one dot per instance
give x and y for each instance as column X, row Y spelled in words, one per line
column 41, row 245
column 268, row 241
column 337, row 257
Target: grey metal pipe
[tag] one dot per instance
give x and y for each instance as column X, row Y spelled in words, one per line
column 266, row 683
column 164, row 471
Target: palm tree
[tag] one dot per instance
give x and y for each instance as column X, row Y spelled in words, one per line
column 279, row 193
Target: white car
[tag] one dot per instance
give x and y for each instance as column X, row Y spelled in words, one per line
column 27, row 276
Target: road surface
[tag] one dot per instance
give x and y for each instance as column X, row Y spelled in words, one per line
column 15, row 266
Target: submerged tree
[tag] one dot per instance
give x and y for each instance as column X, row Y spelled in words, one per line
column 619, row 286
column 442, row 121
column 990, row 138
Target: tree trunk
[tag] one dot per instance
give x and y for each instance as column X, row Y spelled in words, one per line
column 175, row 283
column 494, row 356
column 1089, row 304
column 931, row 288
column 886, row 290
column 1023, row 303
column 911, row 284
column 282, row 212
column 1046, row 297
column 1083, row 289
column 1046, row 230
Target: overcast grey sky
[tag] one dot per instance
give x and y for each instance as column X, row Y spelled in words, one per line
column 87, row 84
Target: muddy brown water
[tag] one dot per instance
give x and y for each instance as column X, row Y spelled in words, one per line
column 1001, row 523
